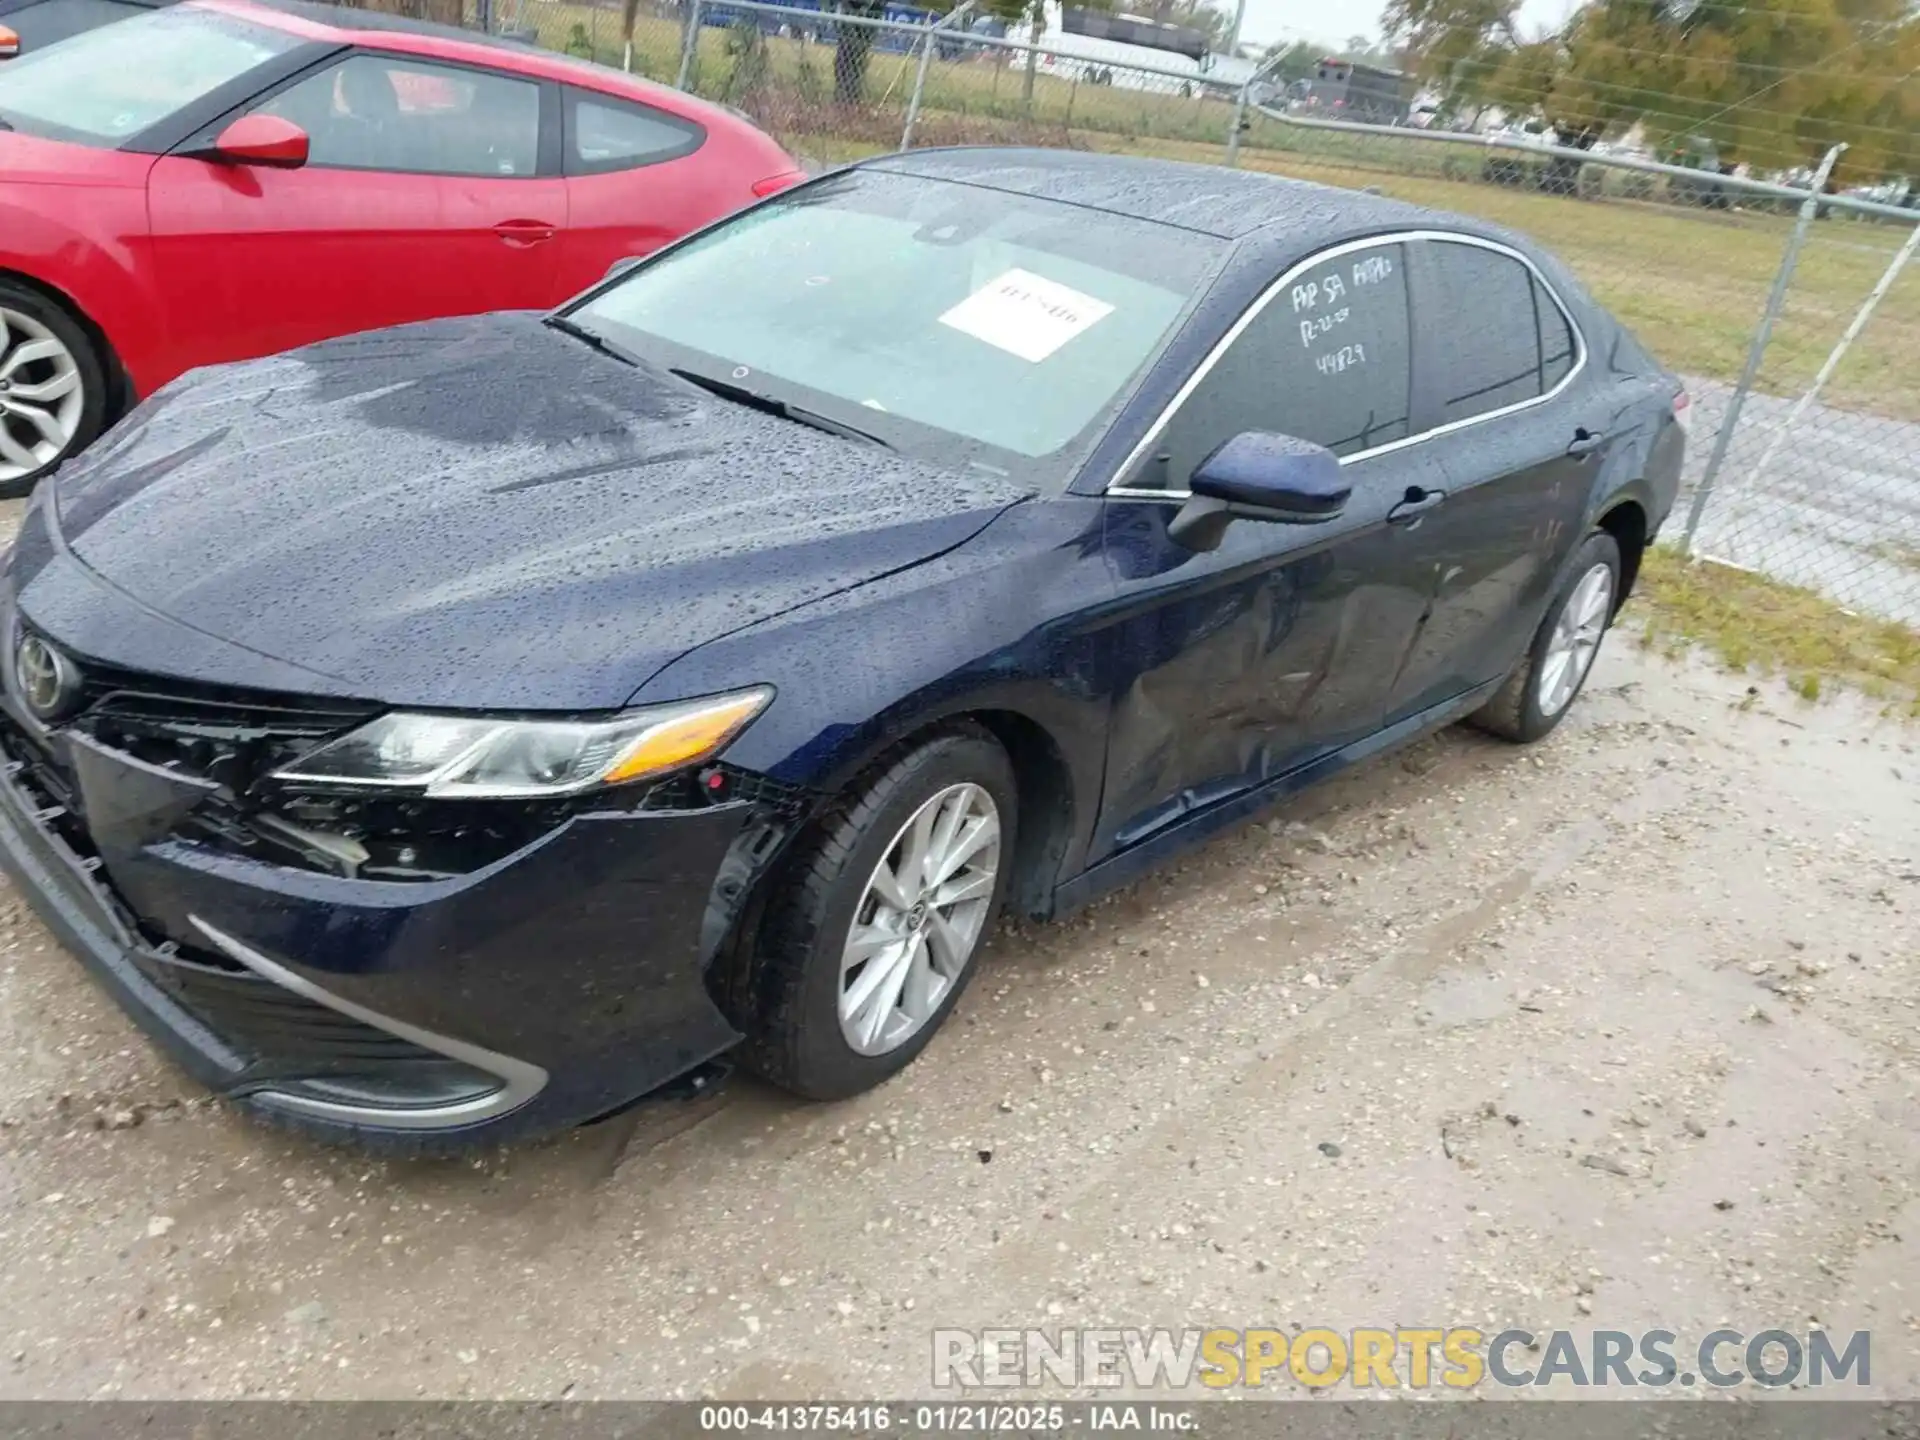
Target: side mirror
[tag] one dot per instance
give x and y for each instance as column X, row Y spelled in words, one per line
column 620, row 267
column 264, row 140
column 1258, row 476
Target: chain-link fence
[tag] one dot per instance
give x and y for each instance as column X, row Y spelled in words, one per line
column 1795, row 320
column 833, row 86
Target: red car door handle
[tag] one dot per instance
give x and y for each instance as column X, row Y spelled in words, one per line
column 525, row 232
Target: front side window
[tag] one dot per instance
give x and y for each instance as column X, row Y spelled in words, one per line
column 958, row 323
column 1328, row 360
column 106, row 85
column 375, row 112
column 1490, row 356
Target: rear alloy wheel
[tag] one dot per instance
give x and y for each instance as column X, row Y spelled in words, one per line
column 1541, row 689
column 1575, row 640
column 52, row 393
column 880, row 918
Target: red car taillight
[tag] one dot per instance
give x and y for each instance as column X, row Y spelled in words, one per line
column 776, row 183
column 9, row 43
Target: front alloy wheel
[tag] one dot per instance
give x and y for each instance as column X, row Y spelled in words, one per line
column 878, row 917
column 42, row 396
column 920, row 919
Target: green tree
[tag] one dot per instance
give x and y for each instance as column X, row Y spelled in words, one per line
column 1773, row 84
column 853, row 49
column 1291, row 60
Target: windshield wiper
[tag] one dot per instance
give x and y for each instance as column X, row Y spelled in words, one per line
column 785, row 409
column 593, row 338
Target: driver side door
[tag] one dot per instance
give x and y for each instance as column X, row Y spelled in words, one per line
column 1236, row 666
column 430, row 190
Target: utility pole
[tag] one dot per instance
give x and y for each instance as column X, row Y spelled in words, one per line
column 1233, row 35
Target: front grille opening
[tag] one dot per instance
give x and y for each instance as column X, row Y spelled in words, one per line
column 238, row 739
column 371, row 837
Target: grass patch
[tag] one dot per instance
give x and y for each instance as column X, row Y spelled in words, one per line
column 1755, row 625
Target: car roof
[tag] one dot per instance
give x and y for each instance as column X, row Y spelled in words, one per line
column 349, row 20
column 1259, row 209
column 384, row 30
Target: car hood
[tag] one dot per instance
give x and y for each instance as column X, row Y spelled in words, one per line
column 473, row 513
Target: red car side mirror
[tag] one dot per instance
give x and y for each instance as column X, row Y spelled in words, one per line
column 261, row 140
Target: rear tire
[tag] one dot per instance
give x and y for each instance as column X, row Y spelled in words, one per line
column 807, row 1030
column 53, row 388
column 1542, row 688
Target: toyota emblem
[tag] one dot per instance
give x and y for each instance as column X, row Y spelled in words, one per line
column 48, row 682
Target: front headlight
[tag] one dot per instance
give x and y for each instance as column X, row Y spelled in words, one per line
column 473, row 757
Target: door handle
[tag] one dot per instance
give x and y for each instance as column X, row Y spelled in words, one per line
column 1585, row 442
column 1417, row 502
column 526, row 232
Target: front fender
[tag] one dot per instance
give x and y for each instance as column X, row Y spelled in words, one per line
column 87, row 245
column 1006, row 623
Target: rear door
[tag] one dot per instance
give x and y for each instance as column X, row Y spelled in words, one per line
column 1519, row 438
column 431, row 189
column 1237, row 665
column 626, row 196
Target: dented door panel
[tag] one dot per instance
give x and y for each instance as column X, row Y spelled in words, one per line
column 1231, row 668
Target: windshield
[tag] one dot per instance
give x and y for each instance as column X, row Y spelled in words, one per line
column 957, row 323
column 108, row 84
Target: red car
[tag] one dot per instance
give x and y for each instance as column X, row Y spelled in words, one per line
column 219, row 180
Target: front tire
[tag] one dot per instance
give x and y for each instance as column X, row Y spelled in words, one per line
column 53, row 388
column 1542, row 688
column 876, row 932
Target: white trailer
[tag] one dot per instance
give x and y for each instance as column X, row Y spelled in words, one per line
column 1099, row 60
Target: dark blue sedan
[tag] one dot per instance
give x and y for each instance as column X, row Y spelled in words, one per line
column 462, row 731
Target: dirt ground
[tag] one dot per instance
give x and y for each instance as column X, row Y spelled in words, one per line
column 1618, row 1031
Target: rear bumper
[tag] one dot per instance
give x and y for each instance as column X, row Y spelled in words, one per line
column 555, row 985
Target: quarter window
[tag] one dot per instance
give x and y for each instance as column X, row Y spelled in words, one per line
column 1556, row 337
column 1328, row 360
column 1491, row 337
column 605, row 134
column 377, row 113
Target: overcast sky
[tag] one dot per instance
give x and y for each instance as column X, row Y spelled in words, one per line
column 1329, row 22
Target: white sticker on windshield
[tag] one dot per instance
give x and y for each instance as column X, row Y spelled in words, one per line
column 1026, row 314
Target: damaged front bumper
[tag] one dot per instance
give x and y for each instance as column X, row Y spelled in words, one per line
column 558, row 981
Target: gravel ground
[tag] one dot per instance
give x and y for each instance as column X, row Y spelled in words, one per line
column 1836, row 506
column 1617, row 1031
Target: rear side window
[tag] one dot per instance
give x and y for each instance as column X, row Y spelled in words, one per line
column 1328, row 360
column 1491, row 356
column 606, row 134
column 374, row 112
